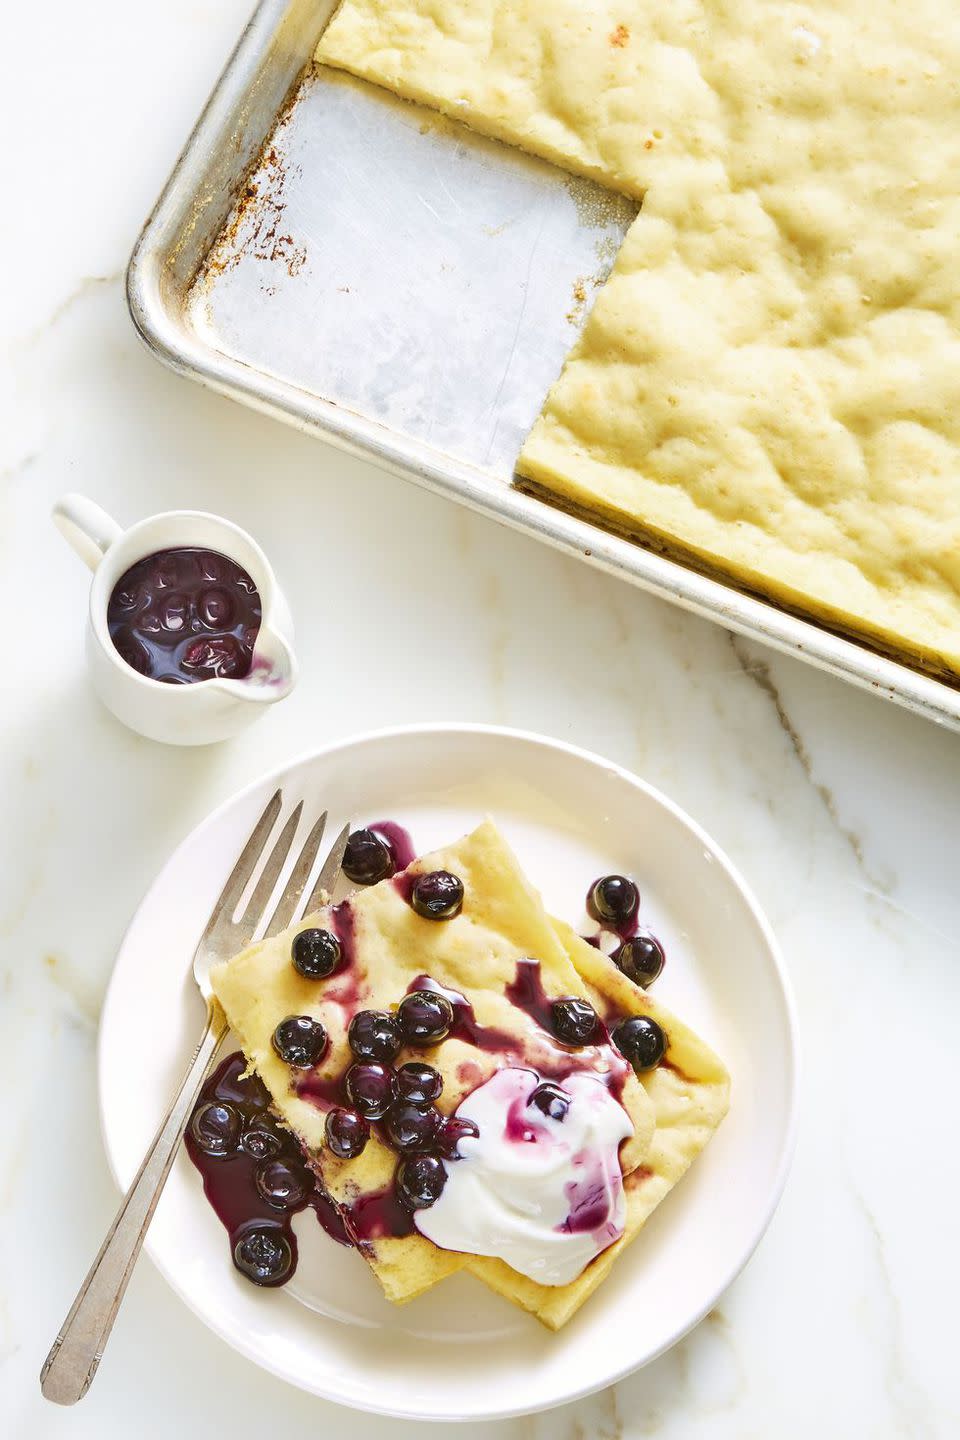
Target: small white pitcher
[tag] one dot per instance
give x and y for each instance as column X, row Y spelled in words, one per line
column 208, row 710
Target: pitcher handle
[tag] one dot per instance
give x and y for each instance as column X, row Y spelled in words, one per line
column 87, row 528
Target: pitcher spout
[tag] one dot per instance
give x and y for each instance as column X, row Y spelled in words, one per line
column 273, row 674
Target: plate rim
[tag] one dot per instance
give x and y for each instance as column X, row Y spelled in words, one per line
column 240, row 1342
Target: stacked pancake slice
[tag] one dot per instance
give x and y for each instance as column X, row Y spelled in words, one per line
column 501, row 931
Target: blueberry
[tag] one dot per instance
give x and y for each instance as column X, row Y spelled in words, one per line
column 551, row 1101
column 316, row 954
column 216, row 608
column 218, row 657
column 574, row 1021
column 425, row 1017
column 437, row 896
column 216, row 1128
column 371, row 1089
column 347, row 1133
column 640, row 959
column 453, row 1129
column 613, row 900
column 366, row 859
column 374, row 1035
column 300, row 1041
column 261, row 1138
column 641, row 1041
column 174, row 613
column 420, row 1181
column 282, row 1185
column 264, row 1256
column 419, row 1083
column 411, row 1127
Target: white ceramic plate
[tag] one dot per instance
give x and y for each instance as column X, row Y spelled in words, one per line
column 570, row 816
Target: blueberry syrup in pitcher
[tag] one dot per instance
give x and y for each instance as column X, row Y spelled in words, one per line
column 397, row 840
column 185, row 615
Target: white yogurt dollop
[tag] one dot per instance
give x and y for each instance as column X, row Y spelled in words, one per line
column 543, row 1194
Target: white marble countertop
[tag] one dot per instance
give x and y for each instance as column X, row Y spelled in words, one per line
column 841, row 810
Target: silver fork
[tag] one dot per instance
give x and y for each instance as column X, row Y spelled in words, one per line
column 69, row 1369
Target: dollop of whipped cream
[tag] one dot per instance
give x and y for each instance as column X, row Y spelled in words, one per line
column 544, row 1194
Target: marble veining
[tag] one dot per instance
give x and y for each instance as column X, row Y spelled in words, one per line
column 841, row 810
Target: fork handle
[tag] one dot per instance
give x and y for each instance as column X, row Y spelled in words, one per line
column 69, row 1369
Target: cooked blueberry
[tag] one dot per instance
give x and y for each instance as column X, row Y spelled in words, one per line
column 437, row 896
column 613, row 900
column 216, row 608
column 374, row 1035
column 419, row 1083
column 574, row 1021
column 219, row 656
column 453, row 1129
column 282, row 1185
column 366, row 859
column 641, row 1041
column 264, row 1256
column 371, row 1088
column 347, row 1132
column 316, row 954
column 300, row 1041
column 425, row 1017
column 411, row 1127
column 551, row 1101
column 640, row 959
column 420, row 1181
column 262, row 1138
column 216, row 1128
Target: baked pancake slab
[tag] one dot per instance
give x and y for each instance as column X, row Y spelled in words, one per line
column 387, row 948
column 768, row 384
column 593, row 87
column 690, row 1095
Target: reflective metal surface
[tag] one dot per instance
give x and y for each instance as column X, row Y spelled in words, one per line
column 367, row 270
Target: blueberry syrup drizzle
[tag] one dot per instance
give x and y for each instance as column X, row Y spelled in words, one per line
column 377, row 1215
column 185, row 615
column 589, row 1208
column 322, row 1091
column 553, row 1060
column 397, row 840
column 465, row 1025
column 230, row 1180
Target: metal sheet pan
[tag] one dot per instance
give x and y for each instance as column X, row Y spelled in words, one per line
column 366, row 270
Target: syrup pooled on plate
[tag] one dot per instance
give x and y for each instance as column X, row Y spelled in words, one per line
column 185, row 615
column 254, row 1174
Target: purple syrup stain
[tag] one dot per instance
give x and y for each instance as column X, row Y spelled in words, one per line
column 527, row 993
column 626, row 929
column 465, row 1025
column 347, row 987
column 322, row 1091
column 344, row 923
column 517, row 1127
column 376, row 1215
column 186, row 615
column 404, row 883
column 589, row 1206
column 229, row 1181
column 397, row 840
